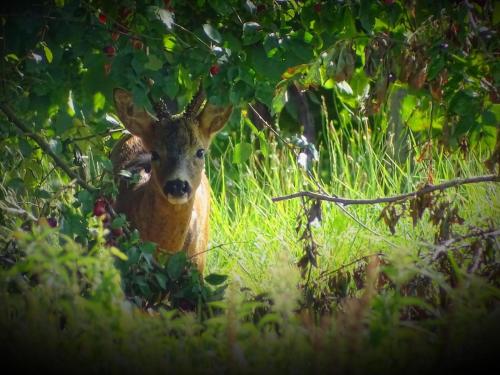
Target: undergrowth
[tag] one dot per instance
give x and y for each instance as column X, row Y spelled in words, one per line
column 349, row 296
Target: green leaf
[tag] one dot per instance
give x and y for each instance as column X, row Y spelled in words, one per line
column 496, row 13
column 437, row 64
column 48, row 52
column 264, row 147
column 171, row 84
column 212, row 33
column 215, row 279
column 25, row 147
column 161, row 279
column 264, row 91
column 344, row 88
column 240, row 92
column 12, row 57
column 99, row 100
column 252, row 33
column 139, row 61
column 367, row 14
column 169, row 42
column 62, row 123
column 86, row 200
column 279, row 100
column 488, row 118
column 55, row 146
column 242, row 152
column 154, row 63
column 118, row 253
column 118, row 222
column 147, row 247
column 176, row 265
column 464, row 103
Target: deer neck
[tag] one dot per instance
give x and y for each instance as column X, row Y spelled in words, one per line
column 162, row 222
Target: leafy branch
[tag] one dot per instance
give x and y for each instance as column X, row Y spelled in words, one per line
column 45, row 147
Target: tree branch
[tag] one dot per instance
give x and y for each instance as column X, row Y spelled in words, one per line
column 45, row 147
column 425, row 190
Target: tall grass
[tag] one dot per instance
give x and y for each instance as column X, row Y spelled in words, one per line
column 65, row 306
column 250, row 233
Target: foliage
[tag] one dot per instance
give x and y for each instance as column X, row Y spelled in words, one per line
column 409, row 285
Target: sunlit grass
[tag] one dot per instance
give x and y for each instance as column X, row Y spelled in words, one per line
column 250, row 233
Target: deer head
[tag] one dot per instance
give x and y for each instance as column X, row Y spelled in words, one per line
column 177, row 143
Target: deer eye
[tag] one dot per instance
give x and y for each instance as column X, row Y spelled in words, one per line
column 200, row 153
column 155, row 156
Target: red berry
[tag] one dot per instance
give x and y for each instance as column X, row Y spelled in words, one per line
column 137, row 44
column 110, row 242
column 494, row 97
column 317, row 8
column 99, row 207
column 261, row 8
column 125, row 12
column 52, row 222
column 102, row 18
column 214, row 69
column 109, row 50
column 117, row 232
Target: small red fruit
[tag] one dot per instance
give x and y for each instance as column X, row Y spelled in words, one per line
column 99, row 207
column 117, row 232
column 494, row 97
column 110, row 242
column 109, row 50
column 125, row 12
column 52, row 221
column 102, row 18
column 137, row 44
column 317, row 8
column 214, row 69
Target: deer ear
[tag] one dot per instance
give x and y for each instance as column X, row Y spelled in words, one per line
column 136, row 120
column 212, row 118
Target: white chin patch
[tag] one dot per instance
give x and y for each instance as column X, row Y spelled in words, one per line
column 177, row 200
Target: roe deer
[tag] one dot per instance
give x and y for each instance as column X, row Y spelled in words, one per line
column 170, row 204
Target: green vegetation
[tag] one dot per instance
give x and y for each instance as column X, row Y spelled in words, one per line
column 397, row 99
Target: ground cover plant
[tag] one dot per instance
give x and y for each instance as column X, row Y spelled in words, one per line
column 355, row 197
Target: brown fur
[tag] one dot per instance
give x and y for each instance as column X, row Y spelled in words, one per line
column 174, row 227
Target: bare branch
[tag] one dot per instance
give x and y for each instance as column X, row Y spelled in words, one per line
column 425, row 190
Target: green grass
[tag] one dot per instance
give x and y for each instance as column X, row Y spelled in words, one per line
column 250, row 233
column 72, row 311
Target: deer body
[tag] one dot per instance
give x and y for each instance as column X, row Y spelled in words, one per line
column 170, row 205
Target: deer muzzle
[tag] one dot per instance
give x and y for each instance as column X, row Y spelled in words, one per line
column 177, row 191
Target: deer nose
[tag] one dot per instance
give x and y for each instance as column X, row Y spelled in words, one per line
column 177, row 188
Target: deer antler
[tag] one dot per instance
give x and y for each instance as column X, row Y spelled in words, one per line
column 193, row 108
column 160, row 108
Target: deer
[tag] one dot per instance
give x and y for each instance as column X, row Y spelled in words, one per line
column 170, row 204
